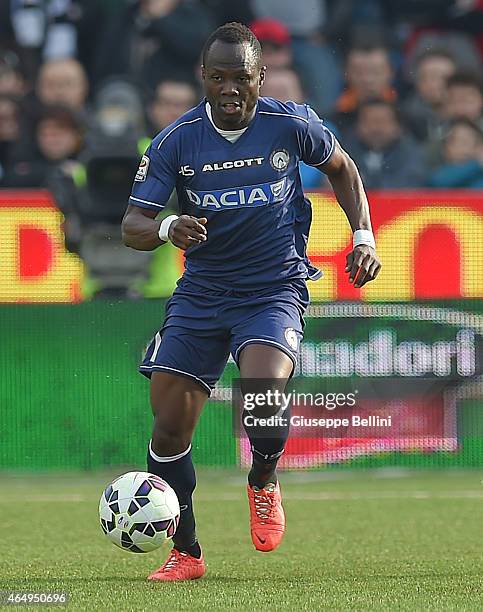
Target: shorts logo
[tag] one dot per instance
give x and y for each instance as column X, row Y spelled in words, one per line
column 142, row 171
column 279, row 160
column 291, row 338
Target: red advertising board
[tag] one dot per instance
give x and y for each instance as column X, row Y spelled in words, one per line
column 430, row 243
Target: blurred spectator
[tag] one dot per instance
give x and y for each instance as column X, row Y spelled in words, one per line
column 93, row 196
column 385, row 156
column 151, row 40
column 55, row 29
column 171, row 100
column 314, row 58
column 118, row 110
column 464, row 97
column 462, row 154
column 9, row 131
column 234, row 10
column 11, row 79
column 275, row 41
column 368, row 75
column 283, row 84
column 353, row 20
column 63, row 81
column 455, row 25
column 58, row 140
column 423, row 109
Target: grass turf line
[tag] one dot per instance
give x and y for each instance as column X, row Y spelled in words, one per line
column 367, row 543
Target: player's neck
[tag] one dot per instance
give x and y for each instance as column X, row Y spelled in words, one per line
column 219, row 125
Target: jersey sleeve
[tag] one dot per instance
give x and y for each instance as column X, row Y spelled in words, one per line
column 156, row 177
column 319, row 141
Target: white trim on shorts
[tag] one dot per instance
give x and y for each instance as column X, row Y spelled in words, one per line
column 265, row 341
column 162, row 368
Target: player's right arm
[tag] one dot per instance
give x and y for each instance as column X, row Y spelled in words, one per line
column 153, row 185
column 140, row 230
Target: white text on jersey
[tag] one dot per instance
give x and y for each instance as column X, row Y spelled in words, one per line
column 237, row 163
column 186, row 171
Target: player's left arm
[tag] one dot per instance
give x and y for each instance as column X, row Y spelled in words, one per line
column 362, row 262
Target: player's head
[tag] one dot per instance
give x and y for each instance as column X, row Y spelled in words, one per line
column 232, row 74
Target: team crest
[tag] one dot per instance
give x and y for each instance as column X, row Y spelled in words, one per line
column 142, row 171
column 291, row 338
column 279, row 160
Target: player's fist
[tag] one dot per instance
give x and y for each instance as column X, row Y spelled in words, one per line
column 362, row 265
column 187, row 231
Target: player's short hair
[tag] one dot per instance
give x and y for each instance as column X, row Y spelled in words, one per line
column 234, row 33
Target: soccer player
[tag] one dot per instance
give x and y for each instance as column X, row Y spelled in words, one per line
column 243, row 226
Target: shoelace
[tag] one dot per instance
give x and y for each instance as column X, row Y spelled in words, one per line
column 263, row 504
column 173, row 560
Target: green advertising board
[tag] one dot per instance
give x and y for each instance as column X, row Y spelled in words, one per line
column 71, row 396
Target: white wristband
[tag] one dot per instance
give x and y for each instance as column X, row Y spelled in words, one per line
column 362, row 236
column 164, row 227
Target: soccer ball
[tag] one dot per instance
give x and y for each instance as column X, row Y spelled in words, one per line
column 139, row 511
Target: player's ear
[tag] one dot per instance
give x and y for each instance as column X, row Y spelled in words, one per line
column 203, row 72
column 262, row 76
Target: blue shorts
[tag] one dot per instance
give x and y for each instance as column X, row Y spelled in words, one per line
column 202, row 327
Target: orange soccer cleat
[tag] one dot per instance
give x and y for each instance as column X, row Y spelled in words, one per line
column 267, row 518
column 179, row 566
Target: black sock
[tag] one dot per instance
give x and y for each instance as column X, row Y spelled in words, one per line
column 263, row 469
column 266, row 451
column 179, row 473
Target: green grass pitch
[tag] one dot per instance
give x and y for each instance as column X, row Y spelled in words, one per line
column 354, row 541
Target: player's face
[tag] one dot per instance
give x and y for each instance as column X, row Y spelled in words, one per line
column 232, row 79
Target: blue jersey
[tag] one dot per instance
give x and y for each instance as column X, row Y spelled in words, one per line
column 250, row 191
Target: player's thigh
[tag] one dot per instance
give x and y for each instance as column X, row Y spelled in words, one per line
column 264, row 361
column 183, row 367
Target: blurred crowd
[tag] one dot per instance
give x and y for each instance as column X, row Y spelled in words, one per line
column 85, row 84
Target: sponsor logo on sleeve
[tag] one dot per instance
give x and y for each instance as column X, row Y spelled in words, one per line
column 142, row 171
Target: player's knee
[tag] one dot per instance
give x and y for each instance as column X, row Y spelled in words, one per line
column 169, row 438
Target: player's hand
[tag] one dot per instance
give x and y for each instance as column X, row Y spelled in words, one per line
column 362, row 265
column 188, row 231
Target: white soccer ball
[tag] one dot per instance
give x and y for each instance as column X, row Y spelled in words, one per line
column 139, row 511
